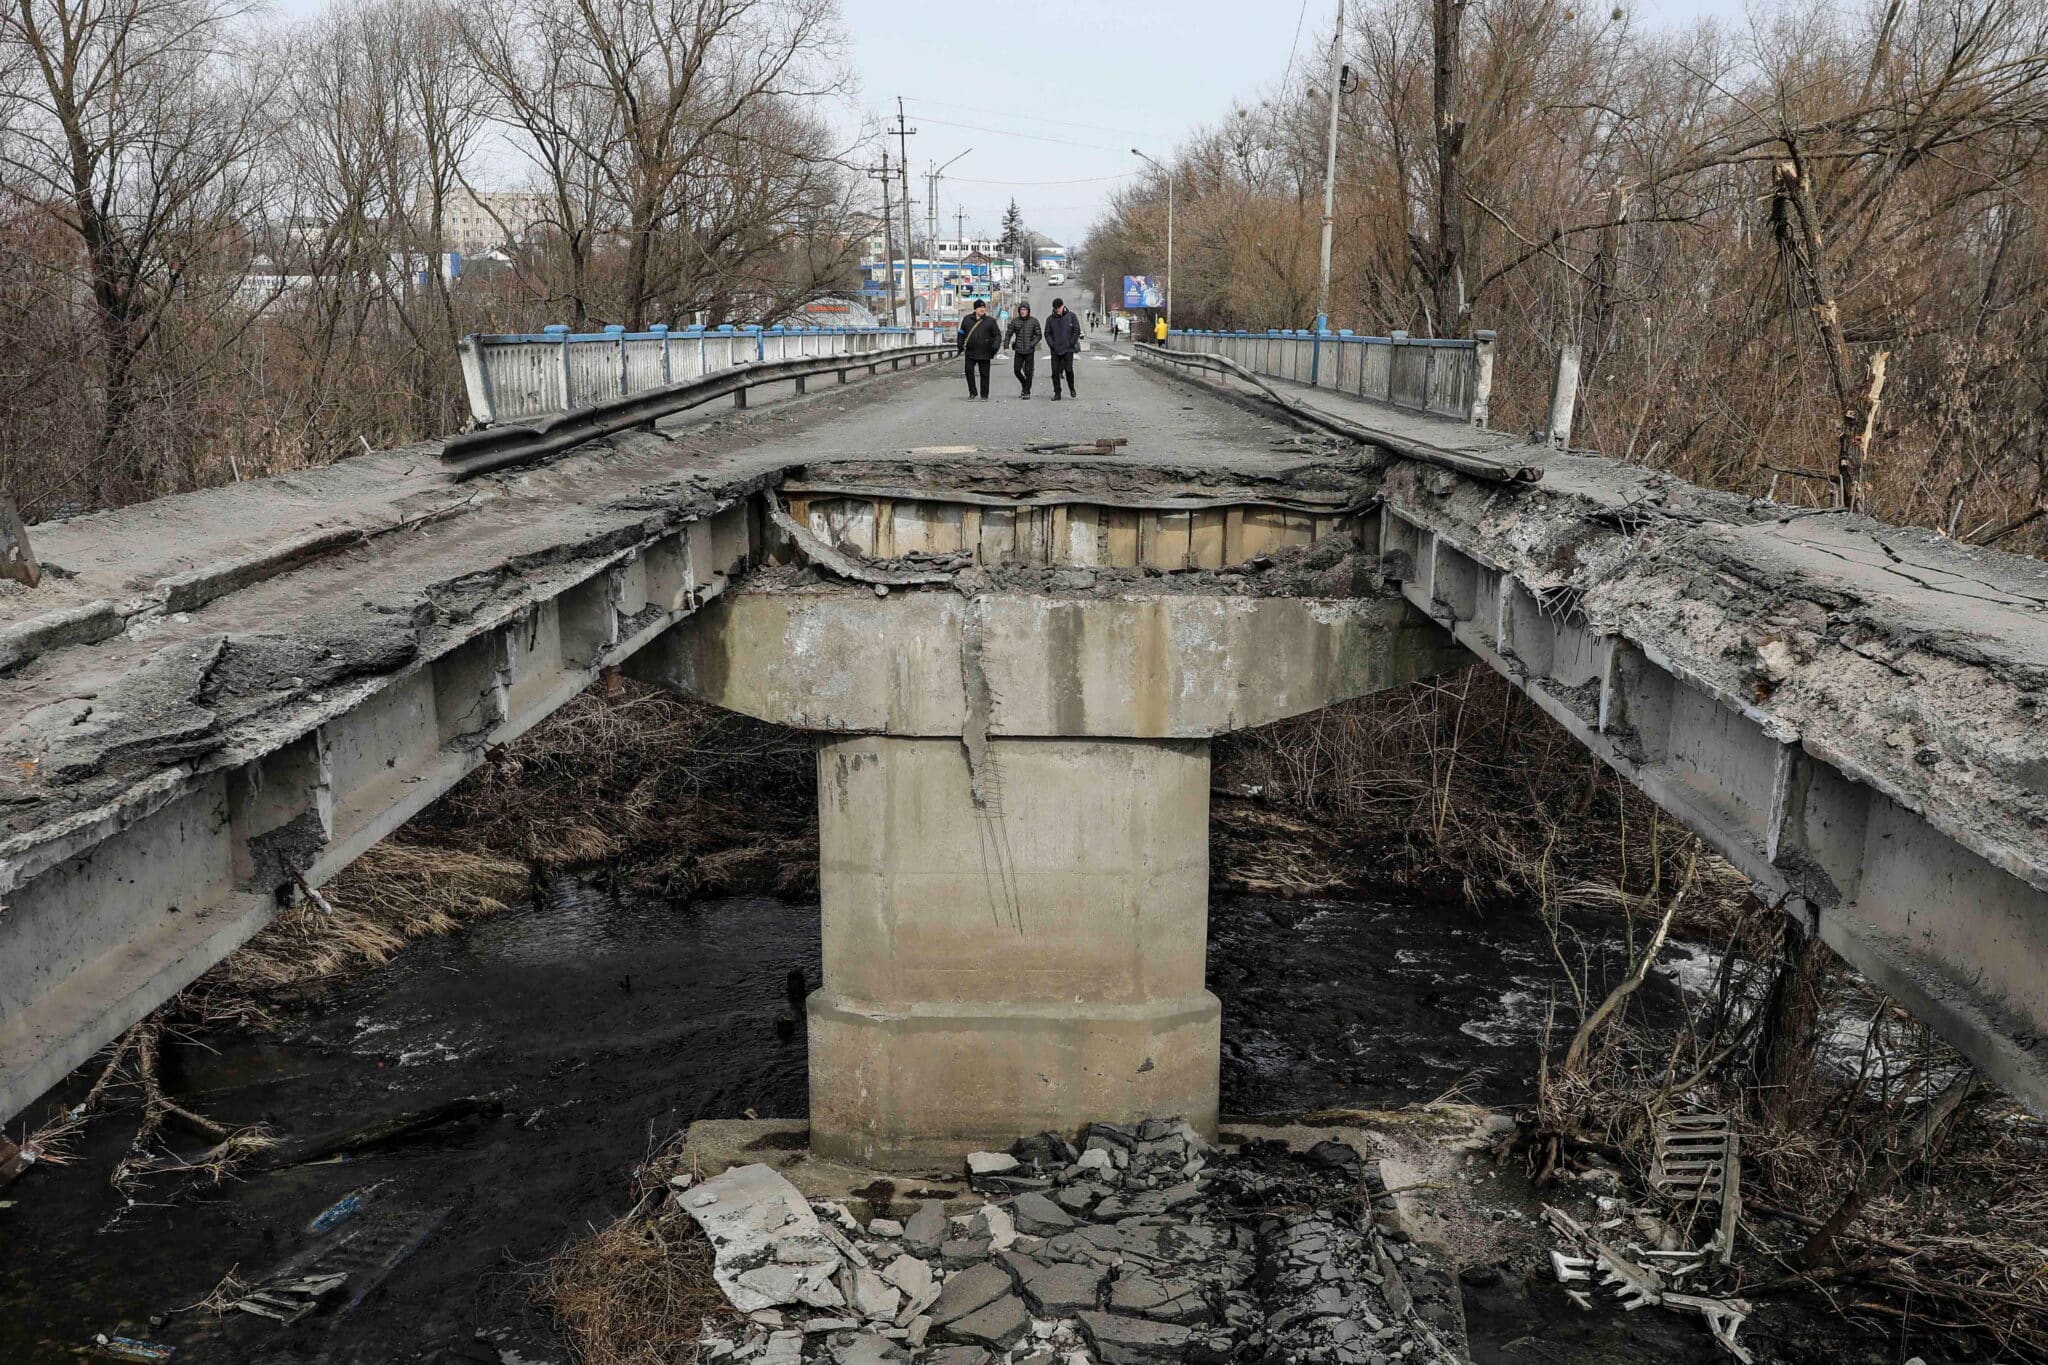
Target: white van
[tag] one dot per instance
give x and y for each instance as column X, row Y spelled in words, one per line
column 1056, row 277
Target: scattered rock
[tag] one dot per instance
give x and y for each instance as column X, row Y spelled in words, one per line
column 990, row 1163
column 927, row 1228
column 1061, row 1291
column 909, row 1274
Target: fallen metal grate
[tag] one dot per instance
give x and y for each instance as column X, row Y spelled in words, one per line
column 1699, row 1158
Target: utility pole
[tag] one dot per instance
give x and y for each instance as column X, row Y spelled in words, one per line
column 881, row 173
column 1330, row 168
column 931, row 194
column 1169, row 230
column 903, row 132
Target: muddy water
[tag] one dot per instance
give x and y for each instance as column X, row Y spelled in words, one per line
column 603, row 1026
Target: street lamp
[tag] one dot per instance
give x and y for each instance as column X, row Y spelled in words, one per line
column 1169, row 230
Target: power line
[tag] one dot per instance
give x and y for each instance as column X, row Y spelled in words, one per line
column 1038, row 118
column 1084, row 180
column 1028, row 137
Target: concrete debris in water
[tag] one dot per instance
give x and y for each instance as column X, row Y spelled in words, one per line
column 1138, row 1245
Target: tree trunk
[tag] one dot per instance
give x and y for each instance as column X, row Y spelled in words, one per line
column 1855, row 398
column 1448, row 269
column 1791, row 1021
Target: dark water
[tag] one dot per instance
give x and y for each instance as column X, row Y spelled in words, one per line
column 605, row 1026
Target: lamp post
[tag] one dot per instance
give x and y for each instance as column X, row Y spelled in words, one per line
column 1169, row 230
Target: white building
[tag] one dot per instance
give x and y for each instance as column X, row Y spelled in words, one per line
column 476, row 223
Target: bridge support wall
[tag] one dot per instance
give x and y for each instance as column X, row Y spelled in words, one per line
column 1010, row 950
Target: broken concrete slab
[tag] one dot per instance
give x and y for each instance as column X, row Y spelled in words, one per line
column 998, row 1325
column 765, row 1240
column 1061, row 1291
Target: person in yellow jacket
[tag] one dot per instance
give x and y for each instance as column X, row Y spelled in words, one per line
column 1159, row 330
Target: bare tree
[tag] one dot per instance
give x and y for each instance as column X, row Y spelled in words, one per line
column 137, row 133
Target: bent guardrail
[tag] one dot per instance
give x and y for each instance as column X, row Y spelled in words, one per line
column 1439, row 376
column 516, row 377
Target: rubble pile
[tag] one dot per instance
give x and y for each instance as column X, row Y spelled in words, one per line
column 1141, row 1245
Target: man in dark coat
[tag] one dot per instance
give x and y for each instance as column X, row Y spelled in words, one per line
column 1062, row 339
column 1022, row 339
column 979, row 340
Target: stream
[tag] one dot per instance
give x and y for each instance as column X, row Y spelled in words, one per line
column 604, row 1025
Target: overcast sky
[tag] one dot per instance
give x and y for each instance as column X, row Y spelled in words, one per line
column 1051, row 95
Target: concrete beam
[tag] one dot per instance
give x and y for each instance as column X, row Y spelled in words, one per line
column 1160, row 665
column 118, row 913
column 1959, row 939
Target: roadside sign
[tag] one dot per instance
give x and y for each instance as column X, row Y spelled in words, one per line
column 1143, row 291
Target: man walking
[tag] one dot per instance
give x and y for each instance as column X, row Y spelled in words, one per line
column 1062, row 339
column 1023, row 337
column 1159, row 330
column 979, row 340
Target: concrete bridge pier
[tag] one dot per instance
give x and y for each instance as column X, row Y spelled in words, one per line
column 1012, row 944
column 1014, row 828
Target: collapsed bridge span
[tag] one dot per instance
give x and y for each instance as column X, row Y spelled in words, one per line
column 215, row 702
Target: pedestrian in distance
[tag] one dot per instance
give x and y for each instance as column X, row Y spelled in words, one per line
column 1062, row 340
column 1159, row 330
column 979, row 340
column 1022, row 337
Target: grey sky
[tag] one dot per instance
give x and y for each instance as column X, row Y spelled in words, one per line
column 1060, row 90
column 1051, row 95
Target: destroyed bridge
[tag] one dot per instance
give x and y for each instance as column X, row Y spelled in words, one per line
column 1015, row 627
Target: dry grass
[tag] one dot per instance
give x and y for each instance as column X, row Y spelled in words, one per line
column 681, row 798
column 639, row 1290
column 396, row 892
column 1456, row 789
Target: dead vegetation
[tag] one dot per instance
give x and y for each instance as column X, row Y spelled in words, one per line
column 1879, row 1175
column 1456, row 789
column 638, row 1291
column 678, row 798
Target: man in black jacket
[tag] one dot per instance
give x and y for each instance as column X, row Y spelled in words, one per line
column 1062, row 339
column 979, row 340
column 1022, row 339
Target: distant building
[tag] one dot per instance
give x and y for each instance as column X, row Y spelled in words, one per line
column 478, row 222
column 960, row 248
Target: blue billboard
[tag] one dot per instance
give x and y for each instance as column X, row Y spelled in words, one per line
column 1143, row 291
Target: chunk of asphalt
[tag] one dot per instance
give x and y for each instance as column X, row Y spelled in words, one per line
column 1119, row 1340
column 1061, row 1291
column 1000, row 1325
column 969, row 1291
column 1039, row 1216
column 927, row 1229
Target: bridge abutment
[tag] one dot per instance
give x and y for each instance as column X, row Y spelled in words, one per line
column 1011, row 943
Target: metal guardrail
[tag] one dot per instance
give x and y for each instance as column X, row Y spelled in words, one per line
column 516, row 377
column 502, row 447
column 1442, row 377
column 1464, row 462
